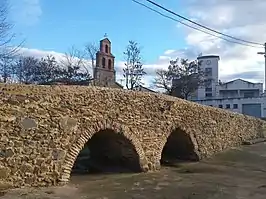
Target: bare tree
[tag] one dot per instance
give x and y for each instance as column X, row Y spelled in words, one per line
column 48, row 70
column 181, row 79
column 133, row 71
column 91, row 50
column 164, row 80
column 27, row 70
column 6, row 66
column 7, row 51
column 74, row 66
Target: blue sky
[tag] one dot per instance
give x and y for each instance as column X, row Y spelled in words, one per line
column 60, row 25
column 56, row 25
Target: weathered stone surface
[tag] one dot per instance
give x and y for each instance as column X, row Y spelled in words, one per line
column 58, row 154
column 5, row 185
column 43, row 128
column 28, row 123
column 4, row 172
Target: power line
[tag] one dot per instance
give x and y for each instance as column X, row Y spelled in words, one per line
column 195, row 28
column 205, row 27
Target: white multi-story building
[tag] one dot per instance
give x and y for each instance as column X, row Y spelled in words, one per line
column 237, row 95
column 249, row 106
column 240, row 88
column 210, row 66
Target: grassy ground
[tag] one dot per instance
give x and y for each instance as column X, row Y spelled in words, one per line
column 235, row 174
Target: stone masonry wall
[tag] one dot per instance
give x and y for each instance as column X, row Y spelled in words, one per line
column 43, row 128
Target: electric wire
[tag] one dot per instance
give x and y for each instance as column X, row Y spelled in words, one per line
column 205, row 27
column 195, row 28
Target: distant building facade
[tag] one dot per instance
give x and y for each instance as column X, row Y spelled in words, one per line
column 237, row 95
column 210, row 67
column 240, row 88
column 248, row 106
column 104, row 71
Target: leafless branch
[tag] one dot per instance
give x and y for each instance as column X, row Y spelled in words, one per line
column 6, row 35
column 91, row 50
column 73, row 57
column 74, row 65
column 162, row 81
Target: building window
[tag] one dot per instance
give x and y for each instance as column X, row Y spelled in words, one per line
column 248, row 94
column 109, row 64
column 235, row 106
column 106, row 48
column 220, row 106
column 208, row 82
column 208, row 71
column 103, row 62
column 227, row 106
column 208, row 89
column 208, row 94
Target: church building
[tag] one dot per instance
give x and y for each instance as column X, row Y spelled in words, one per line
column 104, row 72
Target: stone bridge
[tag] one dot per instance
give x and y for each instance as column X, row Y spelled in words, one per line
column 44, row 128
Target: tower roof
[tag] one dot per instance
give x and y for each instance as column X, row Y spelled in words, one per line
column 106, row 39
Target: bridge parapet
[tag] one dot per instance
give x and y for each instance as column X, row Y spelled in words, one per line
column 43, row 129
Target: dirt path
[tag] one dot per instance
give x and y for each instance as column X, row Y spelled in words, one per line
column 235, row 174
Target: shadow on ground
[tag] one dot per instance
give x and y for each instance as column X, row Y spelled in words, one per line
column 237, row 173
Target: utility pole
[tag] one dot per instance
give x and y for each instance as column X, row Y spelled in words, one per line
column 264, row 53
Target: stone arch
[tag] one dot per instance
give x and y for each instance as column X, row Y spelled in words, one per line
column 180, row 145
column 87, row 134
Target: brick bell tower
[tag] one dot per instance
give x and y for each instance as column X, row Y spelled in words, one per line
column 104, row 73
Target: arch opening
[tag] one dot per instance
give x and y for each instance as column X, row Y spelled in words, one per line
column 109, row 64
column 107, row 152
column 103, row 62
column 178, row 148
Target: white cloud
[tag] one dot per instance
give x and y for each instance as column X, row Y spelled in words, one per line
column 239, row 18
column 169, row 52
column 244, row 19
column 26, row 12
column 28, row 52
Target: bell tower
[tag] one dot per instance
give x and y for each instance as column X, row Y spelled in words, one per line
column 104, row 73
